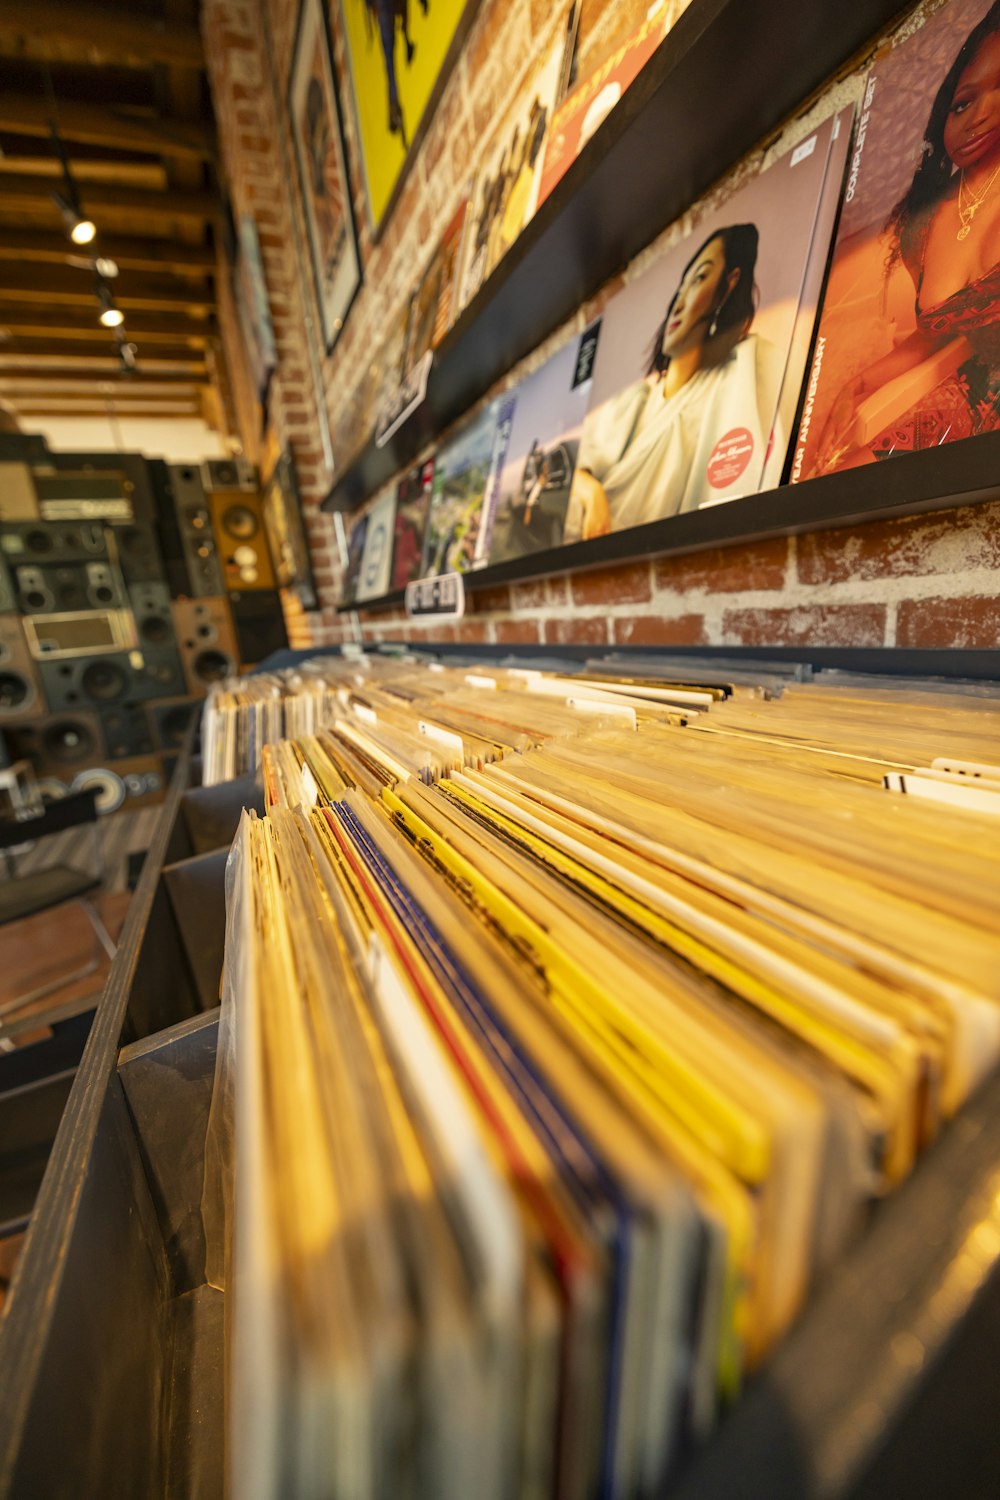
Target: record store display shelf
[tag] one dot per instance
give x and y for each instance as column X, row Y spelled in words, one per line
column 941, row 478
column 111, row 1357
column 725, row 76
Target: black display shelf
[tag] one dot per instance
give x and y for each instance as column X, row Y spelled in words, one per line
column 726, row 75
column 942, row 478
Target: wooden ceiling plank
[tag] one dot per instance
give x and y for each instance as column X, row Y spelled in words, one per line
column 97, row 34
column 28, row 381
column 27, row 192
column 74, row 323
column 53, row 284
column 50, row 247
column 93, row 125
column 38, row 350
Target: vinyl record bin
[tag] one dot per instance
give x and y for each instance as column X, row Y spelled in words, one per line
column 112, row 1351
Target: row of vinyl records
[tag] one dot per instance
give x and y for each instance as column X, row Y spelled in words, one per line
column 750, row 351
column 571, row 1029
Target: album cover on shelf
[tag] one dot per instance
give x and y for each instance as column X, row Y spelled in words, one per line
column 433, row 305
column 356, row 538
column 505, row 192
column 413, row 498
column 686, row 398
column 376, row 559
column 792, row 398
column 905, row 355
column 466, row 472
column 588, row 105
column 541, row 455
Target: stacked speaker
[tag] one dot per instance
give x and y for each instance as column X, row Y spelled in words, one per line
column 127, row 587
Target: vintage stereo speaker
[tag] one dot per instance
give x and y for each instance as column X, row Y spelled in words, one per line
column 60, row 745
column 241, row 537
column 194, row 522
column 154, row 624
column 53, row 541
column 169, row 721
column 94, row 486
column 7, row 599
column 126, row 731
column 111, row 679
column 163, row 672
column 139, row 555
column 207, row 642
column 228, row 474
column 79, row 633
column 134, row 782
column 18, row 497
column 24, row 447
column 260, row 625
column 21, row 695
column 59, row 589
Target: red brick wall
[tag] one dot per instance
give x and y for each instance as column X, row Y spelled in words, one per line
column 929, row 581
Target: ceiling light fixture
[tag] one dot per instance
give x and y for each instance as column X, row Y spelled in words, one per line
column 111, row 314
column 81, row 230
column 127, row 351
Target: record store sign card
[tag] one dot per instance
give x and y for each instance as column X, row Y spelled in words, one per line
column 436, row 596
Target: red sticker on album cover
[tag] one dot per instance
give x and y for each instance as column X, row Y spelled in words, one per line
column 729, row 458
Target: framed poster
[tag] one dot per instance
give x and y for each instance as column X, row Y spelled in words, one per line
column 399, row 57
column 283, row 523
column 253, row 307
column 318, row 146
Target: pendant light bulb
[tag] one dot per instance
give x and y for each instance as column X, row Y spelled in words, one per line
column 112, row 317
column 83, row 232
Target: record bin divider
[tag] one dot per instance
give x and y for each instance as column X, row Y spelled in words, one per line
column 111, row 1355
column 86, row 1341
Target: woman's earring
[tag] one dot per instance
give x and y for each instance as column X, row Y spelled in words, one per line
column 713, row 327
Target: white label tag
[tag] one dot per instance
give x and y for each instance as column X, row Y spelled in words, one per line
column 803, row 151
column 436, row 596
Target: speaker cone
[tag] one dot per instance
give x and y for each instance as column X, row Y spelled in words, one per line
column 67, row 740
column 14, row 691
column 174, row 723
column 155, row 630
column 104, row 681
column 212, row 666
column 239, row 521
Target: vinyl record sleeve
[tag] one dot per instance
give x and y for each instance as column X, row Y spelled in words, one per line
column 541, row 454
column 906, row 354
column 376, row 560
column 465, row 476
column 693, row 355
column 413, row 498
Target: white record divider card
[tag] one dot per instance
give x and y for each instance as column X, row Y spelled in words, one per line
column 436, row 596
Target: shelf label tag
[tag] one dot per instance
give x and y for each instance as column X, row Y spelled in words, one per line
column 436, row 596
column 404, row 403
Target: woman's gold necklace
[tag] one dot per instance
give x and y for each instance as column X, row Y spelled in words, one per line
column 968, row 208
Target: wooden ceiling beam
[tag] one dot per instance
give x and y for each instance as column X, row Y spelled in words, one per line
column 26, row 193
column 81, row 323
column 96, row 34
column 132, row 292
column 40, row 349
column 50, row 247
column 100, row 409
column 50, row 382
column 92, row 125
